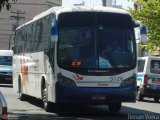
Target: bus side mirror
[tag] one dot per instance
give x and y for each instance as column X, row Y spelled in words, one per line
column 54, row 33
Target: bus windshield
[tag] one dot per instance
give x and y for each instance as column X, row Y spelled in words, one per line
column 90, row 40
column 6, row 60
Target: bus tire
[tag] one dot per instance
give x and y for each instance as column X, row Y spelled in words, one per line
column 21, row 95
column 114, row 108
column 46, row 104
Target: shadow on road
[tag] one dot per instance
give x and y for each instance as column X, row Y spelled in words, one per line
column 89, row 113
column 76, row 112
column 72, row 111
column 151, row 100
column 19, row 116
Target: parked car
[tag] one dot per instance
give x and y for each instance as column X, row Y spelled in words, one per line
column 3, row 107
column 148, row 78
column 6, row 66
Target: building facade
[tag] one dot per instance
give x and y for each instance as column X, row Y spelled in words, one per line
column 112, row 3
column 20, row 12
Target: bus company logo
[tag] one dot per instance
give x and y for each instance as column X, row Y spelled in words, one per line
column 77, row 77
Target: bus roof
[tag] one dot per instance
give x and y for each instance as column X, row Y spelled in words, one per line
column 62, row 9
column 6, row 53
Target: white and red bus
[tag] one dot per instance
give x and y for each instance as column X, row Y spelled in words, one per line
column 66, row 55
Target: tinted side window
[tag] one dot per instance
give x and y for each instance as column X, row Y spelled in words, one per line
column 155, row 66
column 34, row 37
column 19, row 42
column 141, row 64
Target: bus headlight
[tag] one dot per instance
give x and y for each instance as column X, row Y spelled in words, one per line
column 129, row 81
column 65, row 80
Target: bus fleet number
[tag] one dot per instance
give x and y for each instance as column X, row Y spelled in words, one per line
column 116, row 79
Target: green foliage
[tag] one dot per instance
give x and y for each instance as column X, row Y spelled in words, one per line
column 5, row 3
column 149, row 14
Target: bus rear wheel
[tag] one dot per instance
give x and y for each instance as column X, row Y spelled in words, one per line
column 114, row 108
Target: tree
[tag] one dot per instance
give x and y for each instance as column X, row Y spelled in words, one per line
column 149, row 14
column 6, row 3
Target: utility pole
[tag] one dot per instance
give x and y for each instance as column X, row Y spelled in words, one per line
column 11, row 41
column 17, row 16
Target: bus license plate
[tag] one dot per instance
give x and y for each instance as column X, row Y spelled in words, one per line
column 98, row 97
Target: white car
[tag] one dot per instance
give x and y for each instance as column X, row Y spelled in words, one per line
column 3, row 107
column 148, row 78
column 6, row 66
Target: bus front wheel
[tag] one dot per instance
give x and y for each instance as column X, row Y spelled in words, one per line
column 114, row 108
column 22, row 97
column 46, row 104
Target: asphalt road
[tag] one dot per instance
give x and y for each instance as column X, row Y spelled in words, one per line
column 32, row 110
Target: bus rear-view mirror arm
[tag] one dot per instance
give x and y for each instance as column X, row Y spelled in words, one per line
column 136, row 24
column 54, row 38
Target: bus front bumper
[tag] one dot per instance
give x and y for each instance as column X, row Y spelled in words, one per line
column 94, row 95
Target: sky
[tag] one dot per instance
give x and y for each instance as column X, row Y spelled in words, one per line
column 125, row 4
